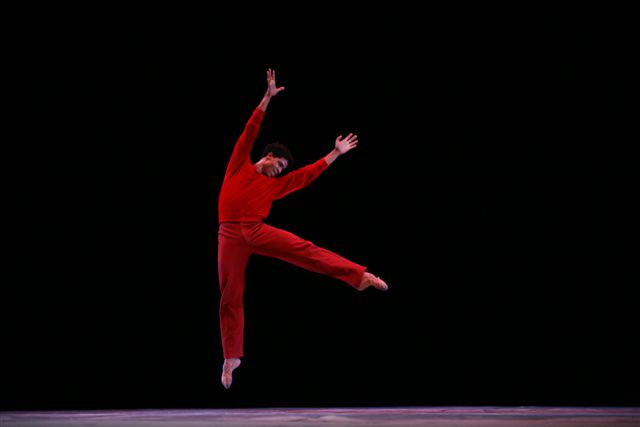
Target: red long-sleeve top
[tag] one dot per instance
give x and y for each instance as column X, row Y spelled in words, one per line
column 246, row 195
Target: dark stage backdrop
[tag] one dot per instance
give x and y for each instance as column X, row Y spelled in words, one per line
column 491, row 189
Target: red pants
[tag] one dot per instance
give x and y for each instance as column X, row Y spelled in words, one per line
column 237, row 241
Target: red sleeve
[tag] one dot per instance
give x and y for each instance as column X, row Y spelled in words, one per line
column 300, row 178
column 244, row 144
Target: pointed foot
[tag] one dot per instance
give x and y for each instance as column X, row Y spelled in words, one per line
column 227, row 371
column 369, row 279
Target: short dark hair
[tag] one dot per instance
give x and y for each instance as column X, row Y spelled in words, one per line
column 279, row 150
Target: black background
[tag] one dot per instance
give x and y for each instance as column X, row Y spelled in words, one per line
column 491, row 189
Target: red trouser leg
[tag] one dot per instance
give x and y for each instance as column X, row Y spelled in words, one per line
column 274, row 242
column 233, row 255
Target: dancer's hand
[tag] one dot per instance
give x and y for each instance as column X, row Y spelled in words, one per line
column 272, row 89
column 345, row 144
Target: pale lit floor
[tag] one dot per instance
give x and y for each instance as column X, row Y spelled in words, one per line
column 333, row 417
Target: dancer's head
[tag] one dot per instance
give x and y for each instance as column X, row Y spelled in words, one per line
column 276, row 157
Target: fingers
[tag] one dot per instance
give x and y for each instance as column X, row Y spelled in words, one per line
column 352, row 139
column 349, row 138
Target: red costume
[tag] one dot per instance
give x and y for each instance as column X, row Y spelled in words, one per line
column 244, row 202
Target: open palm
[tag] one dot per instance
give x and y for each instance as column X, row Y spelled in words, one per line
column 345, row 144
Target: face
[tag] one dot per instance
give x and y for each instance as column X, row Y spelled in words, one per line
column 273, row 165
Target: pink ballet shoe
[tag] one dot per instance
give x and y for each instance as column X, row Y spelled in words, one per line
column 227, row 371
column 369, row 279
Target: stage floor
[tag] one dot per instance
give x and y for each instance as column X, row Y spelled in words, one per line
column 332, row 417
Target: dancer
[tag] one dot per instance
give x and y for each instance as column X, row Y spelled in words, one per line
column 245, row 199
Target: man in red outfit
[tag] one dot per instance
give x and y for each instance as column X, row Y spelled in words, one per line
column 245, row 199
